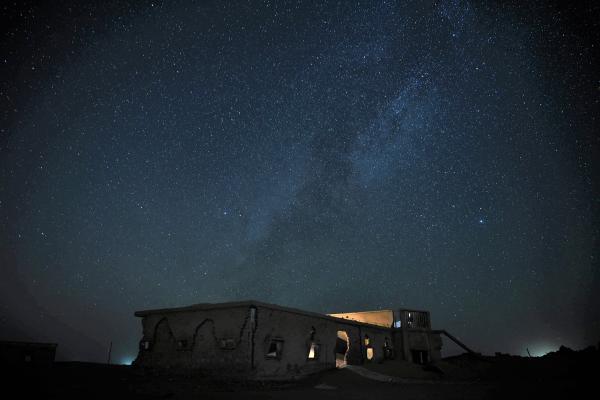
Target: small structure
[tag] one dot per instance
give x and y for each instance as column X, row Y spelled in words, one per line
column 27, row 353
column 255, row 340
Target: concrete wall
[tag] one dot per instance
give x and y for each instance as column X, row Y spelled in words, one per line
column 435, row 342
column 238, row 341
column 295, row 330
column 27, row 353
column 421, row 339
column 211, row 341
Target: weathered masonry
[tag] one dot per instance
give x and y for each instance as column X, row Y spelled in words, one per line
column 251, row 339
column 15, row 353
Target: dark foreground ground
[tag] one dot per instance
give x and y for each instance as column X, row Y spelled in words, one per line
column 563, row 374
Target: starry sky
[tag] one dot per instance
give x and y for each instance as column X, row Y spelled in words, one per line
column 330, row 156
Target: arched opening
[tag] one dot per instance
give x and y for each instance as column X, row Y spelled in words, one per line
column 164, row 347
column 314, row 348
column 164, row 341
column 342, row 345
column 204, row 350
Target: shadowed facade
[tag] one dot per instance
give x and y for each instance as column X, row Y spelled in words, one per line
column 256, row 340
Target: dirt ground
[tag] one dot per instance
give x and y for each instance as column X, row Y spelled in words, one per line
column 464, row 377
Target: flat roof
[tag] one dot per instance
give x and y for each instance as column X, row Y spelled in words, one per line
column 249, row 303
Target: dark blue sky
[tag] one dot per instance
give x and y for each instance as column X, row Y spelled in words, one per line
column 328, row 156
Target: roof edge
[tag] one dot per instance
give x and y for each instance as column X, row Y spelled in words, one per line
column 250, row 303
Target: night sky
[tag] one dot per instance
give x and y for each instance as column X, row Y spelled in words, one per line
column 327, row 156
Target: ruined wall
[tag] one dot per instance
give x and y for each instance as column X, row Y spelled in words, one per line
column 435, row 340
column 293, row 332
column 423, row 340
column 377, row 339
column 208, row 341
column 266, row 342
column 297, row 332
column 12, row 353
column 399, row 345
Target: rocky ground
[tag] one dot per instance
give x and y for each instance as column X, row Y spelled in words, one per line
column 563, row 374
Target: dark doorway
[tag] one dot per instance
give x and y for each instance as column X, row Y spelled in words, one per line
column 420, row 356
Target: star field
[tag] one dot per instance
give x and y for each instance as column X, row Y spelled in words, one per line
column 332, row 156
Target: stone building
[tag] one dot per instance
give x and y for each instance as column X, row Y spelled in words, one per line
column 256, row 340
column 31, row 353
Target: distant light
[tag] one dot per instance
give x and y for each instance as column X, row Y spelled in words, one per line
column 541, row 349
column 127, row 360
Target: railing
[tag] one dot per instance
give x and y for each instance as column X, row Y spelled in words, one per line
column 455, row 340
column 413, row 320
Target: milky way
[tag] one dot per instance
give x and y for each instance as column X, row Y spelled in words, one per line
column 332, row 157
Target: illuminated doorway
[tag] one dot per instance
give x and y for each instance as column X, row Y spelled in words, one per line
column 342, row 345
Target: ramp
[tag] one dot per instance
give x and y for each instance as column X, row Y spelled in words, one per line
column 455, row 340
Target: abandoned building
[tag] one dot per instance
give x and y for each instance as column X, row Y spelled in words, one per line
column 15, row 353
column 259, row 340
